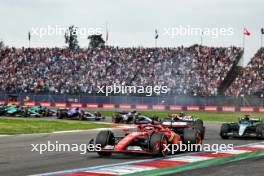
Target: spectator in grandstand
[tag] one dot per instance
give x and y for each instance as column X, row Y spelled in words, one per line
column 251, row 81
column 196, row 70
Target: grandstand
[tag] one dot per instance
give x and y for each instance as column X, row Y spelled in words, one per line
column 192, row 74
column 251, row 79
column 191, row 71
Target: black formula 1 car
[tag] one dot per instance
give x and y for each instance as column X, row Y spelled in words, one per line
column 245, row 127
column 124, row 117
column 132, row 117
column 150, row 139
column 78, row 114
column 3, row 110
column 92, row 116
column 178, row 122
column 142, row 119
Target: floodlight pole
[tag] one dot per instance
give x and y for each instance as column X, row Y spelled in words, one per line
column 261, row 40
column 243, row 46
column 202, row 38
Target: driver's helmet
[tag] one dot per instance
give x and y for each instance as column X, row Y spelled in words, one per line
column 247, row 117
column 149, row 128
column 175, row 117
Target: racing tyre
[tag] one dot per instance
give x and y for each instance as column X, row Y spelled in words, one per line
column 225, row 128
column 81, row 116
column 260, row 131
column 113, row 119
column 116, row 119
column 192, row 136
column 198, row 124
column 25, row 112
column 105, row 138
column 156, row 144
column 97, row 119
column 60, row 115
column 199, row 121
column 130, row 120
column 2, row 112
column 135, row 121
column 46, row 113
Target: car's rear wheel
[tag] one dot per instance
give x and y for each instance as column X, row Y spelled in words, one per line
column 113, row 119
column 80, row 115
column 46, row 113
column 116, row 119
column 192, row 136
column 198, row 124
column 199, row 121
column 130, row 119
column 260, row 131
column 225, row 129
column 60, row 114
column 25, row 112
column 105, row 138
column 157, row 144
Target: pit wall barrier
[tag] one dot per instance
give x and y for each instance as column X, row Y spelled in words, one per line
column 141, row 107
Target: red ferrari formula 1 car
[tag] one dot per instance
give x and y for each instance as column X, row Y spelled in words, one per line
column 148, row 139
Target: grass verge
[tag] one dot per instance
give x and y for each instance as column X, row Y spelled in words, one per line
column 27, row 126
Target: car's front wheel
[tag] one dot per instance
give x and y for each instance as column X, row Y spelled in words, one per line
column 157, row 144
column 225, row 129
column 105, row 138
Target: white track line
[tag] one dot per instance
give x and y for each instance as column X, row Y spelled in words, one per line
column 4, row 135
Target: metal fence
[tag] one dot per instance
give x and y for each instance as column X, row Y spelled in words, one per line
column 167, row 100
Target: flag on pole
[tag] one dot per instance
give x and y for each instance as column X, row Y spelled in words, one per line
column 246, row 32
column 29, row 36
column 262, row 31
column 156, row 34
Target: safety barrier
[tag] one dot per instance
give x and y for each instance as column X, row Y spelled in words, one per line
column 141, row 107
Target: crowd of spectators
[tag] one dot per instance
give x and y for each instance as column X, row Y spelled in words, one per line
column 195, row 70
column 251, row 80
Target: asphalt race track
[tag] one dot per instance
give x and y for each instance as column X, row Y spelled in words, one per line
column 16, row 157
